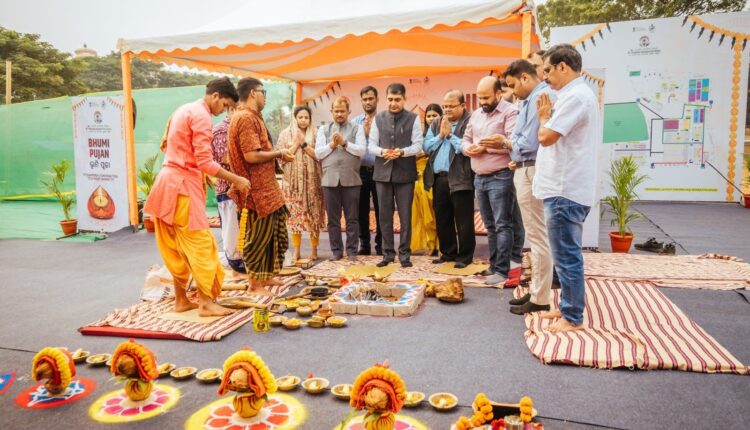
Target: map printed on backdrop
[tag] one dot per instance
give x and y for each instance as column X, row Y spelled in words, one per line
column 672, row 90
column 99, row 146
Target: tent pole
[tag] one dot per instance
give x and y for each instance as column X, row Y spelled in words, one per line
column 526, row 34
column 127, row 99
column 298, row 93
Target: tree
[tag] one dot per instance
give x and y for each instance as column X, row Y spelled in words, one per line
column 39, row 70
column 105, row 74
column 559, row 13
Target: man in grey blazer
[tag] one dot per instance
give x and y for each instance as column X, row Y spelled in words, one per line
column 340, row 146
column 396, row 138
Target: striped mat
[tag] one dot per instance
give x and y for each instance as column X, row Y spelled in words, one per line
column 630, row 324
column 708, row 271
column 479, row 228
column 142, row 319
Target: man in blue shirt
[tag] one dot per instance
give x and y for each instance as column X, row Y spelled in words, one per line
column 369, row 97
column 521, row 75
column 449, row 174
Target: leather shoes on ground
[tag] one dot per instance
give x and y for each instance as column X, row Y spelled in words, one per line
column 364, row 251
column 336, row 258
column 521, row 300
column 460, row 265
column 440, row 260
column 406, row 263
column 528, row 307
column 384, row 263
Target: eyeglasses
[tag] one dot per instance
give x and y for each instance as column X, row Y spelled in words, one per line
column 260, row 91
column 451, row 107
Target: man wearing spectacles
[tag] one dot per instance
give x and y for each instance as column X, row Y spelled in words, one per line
column 566, row 174
column 449, row 174
column 252, row 156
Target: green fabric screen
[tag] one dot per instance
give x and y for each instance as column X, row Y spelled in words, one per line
column 34, row 135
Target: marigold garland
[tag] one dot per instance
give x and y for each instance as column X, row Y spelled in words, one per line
column 242, row 230
column 247, row 356
column 383, row 373
column 463, row 423
column 60, row 361
column 482, row 407
column 144, row 359
column 526, row 406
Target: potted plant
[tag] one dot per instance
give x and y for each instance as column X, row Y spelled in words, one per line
column 623, row 178
column 147, row 176
column 54, row 186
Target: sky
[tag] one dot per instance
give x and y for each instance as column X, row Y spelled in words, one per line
column 68, row 24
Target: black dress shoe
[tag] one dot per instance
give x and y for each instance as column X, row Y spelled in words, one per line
column 384, row 262
column 528, row 307
column 459, row 265
column 336, row 257
column 521, row 300
column 440, row 260
column 434, row 253
column 407, row 263
column 364, row 251
column 487, row 272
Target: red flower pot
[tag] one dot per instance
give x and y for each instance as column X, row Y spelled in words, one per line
column 620, row 243
column 69, row 226
column 746, row 198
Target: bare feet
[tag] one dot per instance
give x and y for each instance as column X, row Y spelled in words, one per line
column 211, row 309
column 552, row 314
column 184, row 306
column 259, row 291
column 296, row 255
column 181, row 301
column 562, row 325
column 314, row 254
column 271, row 283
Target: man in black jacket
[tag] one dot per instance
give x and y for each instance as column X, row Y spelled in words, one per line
column 449, row 174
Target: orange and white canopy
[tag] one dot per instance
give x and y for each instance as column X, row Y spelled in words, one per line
column 476, row 37
column 481, row 36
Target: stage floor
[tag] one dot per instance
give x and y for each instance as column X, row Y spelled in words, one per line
column 52, row 288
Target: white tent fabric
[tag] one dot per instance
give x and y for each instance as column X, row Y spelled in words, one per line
column 297, row 32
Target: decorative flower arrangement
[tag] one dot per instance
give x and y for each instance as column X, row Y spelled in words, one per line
column 137, row 365
column 242, row 231
column 483, row 414
column 55, row 365
column 246, row 374
column 380, row 391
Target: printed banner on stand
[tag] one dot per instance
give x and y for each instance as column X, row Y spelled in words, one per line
column 101, row 175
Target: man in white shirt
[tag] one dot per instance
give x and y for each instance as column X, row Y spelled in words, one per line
column 395, row 139
column 565, row 176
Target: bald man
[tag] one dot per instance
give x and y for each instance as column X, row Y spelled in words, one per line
column 488, row 127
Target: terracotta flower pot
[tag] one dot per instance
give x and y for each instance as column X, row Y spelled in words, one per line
column 620, row 243
column 69, row 226
column 746, row 198
column 148, row 222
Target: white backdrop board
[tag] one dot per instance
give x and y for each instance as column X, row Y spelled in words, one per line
column 99, row 146
column 421, row 91
column 675, row 97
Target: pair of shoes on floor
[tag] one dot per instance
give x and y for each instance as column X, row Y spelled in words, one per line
column 336, row 257
column 460, row 265
column 441, row 260
column 669, row 249
column 524, row 305
column 384, row 262
column 653, row 245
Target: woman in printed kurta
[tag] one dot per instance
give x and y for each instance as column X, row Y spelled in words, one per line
column 302, row 181
column 178, row 198
column 423, row 225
